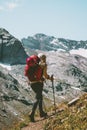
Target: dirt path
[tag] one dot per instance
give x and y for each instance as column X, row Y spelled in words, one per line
column 39, row 124
column 35, row 126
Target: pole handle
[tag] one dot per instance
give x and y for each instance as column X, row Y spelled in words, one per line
column 53, row 93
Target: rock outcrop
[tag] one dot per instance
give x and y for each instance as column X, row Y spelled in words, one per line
column 14, row 100
column 11, row 49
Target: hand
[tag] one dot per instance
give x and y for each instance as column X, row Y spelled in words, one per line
column 43, row 79
column 28, row 82
column 52, row 77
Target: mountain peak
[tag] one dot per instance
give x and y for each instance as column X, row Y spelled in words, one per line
column 38, row 35
column 48, row 43
column 3, row 31
column 11, row 48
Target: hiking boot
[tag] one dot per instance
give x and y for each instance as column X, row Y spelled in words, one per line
column 32, row 118
column 43, row 114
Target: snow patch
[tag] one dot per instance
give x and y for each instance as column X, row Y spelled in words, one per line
column 80, row 51
column 76, row 88
column 7, row 66
column 55, row 41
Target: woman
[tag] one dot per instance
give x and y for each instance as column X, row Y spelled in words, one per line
column 37, row 87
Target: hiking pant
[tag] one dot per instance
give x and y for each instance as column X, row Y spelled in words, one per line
column 37, row 88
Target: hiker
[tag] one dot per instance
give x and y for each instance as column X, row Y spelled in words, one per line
column 37, row 85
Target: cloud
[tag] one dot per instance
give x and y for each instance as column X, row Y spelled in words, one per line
column 12, row 5
column 9, row 5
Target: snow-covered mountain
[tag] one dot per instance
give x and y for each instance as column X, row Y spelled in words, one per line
column 64, row 62
column 48, row 43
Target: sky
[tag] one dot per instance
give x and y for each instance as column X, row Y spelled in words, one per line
column 59, row 18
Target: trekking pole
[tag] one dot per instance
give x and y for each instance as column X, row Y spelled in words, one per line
column 53, row 93
column 44, row 106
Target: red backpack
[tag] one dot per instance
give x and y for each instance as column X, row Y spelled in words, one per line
column 32, row 69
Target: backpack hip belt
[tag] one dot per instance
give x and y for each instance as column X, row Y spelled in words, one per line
column 31, row 82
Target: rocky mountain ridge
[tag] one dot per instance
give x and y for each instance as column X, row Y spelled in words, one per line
column 48, row 43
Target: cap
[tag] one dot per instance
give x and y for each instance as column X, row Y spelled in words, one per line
column 41, row 55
